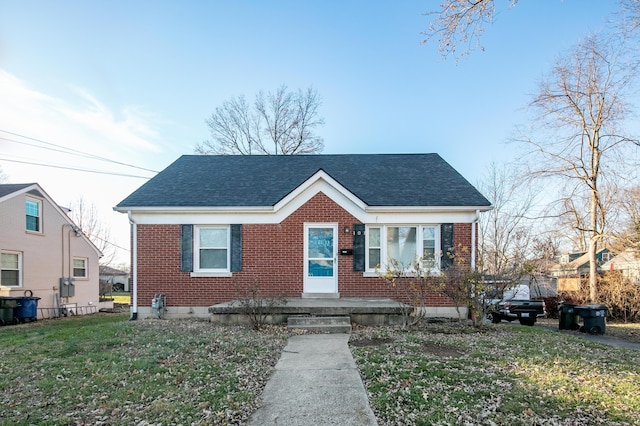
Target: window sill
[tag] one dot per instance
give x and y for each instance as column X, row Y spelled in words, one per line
column 211, row 274
column 433, row 273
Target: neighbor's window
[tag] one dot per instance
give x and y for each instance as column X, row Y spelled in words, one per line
column 404, row 244
column 11, row 269
column 33, row 210
column 79, row 267
column 212, row 248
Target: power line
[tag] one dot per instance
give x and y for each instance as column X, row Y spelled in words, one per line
column 106, row 241
column 66, row 150
column 74, row 169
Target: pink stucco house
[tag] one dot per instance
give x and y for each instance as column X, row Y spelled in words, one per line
column 44, row 254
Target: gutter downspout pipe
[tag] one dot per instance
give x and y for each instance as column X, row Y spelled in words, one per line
column 134, row 267
column 474, row 227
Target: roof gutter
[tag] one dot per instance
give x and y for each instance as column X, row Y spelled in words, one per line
column 134, row 267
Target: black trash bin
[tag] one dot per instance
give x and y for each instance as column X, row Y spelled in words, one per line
column 7, row 308
column 593, row 318
column 28, row 308
column 568, row 316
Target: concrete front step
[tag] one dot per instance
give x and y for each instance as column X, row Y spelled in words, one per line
column 341, row 324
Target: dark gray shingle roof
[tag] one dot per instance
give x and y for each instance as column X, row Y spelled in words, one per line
column 376, row 179
column 9, row 188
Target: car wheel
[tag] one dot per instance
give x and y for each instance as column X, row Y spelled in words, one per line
column 495, row 318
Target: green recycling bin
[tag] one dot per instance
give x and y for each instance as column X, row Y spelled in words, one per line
column 568, row 317
column 593, row 318
column 7, row 307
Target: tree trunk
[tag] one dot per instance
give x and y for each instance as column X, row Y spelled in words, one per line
column 593, row 241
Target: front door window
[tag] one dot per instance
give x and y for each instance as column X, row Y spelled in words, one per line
column 320, row 252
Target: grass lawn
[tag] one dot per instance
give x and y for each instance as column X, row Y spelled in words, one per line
column 502, row 374
column 122, row 298
column 104, row 369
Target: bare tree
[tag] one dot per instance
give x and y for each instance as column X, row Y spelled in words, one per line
column 580, row 108
column 283, row 122
column 86, row 217
column 460, row 22
column 507, row 234
column 629, row 15
column 628, row 236
column 458, row 25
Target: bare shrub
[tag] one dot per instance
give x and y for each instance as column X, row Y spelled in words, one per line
column 257, row 307
column 411, row 284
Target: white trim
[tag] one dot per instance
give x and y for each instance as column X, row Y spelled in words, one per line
column 20, row 268
column 384, row 257
column 86, row 267
column 205, row 273
column 217, row 218
column 422, row 209
column 134, row 266
column 40, row 204
column 328, row 185
column 196, row 251
column 308, row 285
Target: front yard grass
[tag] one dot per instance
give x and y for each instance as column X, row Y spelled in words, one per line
column 498, row 375
column 104, row 369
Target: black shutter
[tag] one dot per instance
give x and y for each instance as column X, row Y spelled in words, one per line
column 358, row 247
column 446, row 244
column 186, row 248
column 236, row 248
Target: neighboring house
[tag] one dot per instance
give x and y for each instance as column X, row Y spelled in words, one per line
column 627, row 262
column 44, row 252
column 572, row 268
column 116, row 279
column 296, row 226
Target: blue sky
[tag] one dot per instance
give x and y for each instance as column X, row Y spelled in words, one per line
column 134, row 81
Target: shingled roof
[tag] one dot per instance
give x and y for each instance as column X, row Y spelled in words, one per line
column 242, row 181
column 10, row 188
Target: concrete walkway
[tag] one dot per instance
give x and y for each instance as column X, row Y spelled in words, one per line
column 315, row 382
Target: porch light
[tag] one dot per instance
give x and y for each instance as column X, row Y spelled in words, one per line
column 346, row 229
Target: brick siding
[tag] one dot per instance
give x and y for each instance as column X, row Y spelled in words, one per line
column 272, row 258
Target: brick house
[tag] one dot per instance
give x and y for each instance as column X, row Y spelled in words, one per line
column 298, row 226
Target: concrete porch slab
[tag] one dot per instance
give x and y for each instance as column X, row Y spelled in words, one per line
column 366, row 311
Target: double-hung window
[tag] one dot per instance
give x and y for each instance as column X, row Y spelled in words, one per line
column 11, row 269
column 33, row 210
column 211, row 249
column 79, row 267
column 404, row 244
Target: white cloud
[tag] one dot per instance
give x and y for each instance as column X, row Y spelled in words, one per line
column 78, row 121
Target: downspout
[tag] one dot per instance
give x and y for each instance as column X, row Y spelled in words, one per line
column 474, row 226
column 134, row 267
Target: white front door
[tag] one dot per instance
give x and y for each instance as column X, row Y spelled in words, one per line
column 320, row 258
